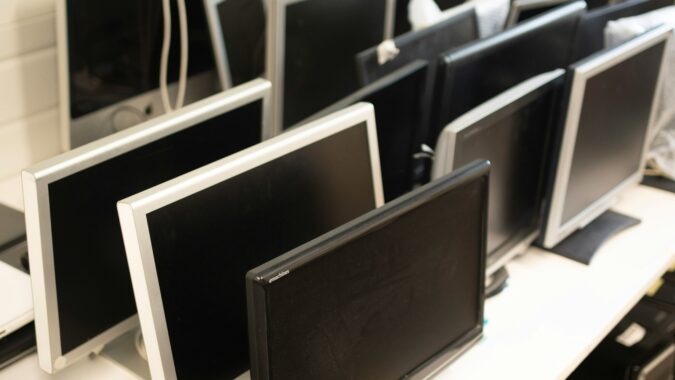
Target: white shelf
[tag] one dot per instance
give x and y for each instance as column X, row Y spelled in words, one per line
column 555, row 311
column 95, row 367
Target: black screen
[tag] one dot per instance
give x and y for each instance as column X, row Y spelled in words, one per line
column 515, row 139
column 382, row 303
column 242, row 24
column 424, row 44
column 477, row 72
column 612, row 128
column 204, row 244
column 114, row 49
column 591, row 33
column 93, row 286
column 402, row 23
column 322, row 37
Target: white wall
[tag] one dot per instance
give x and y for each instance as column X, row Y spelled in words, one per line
column 29, row 130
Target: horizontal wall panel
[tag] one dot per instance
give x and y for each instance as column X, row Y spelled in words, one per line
column 27, row 35
column 29, row 85
column 28, row 141
column 16, row 10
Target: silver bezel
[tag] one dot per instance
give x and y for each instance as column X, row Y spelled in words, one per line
column 36, row 181
column 518, row 6
column 62, row 70
column 556, row 230
column 219, row 48
column 133, row 213
column 446, row 145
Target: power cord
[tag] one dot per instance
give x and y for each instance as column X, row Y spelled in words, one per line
column 164, row 61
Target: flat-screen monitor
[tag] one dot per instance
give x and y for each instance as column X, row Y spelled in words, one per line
column 311, row 49
column 456, row 30
column 522, row 10
column 400, row 116
column 191, row 241
column 402, row 21
column 81, row 285
column 391, row 295
column 514, row 132
column 479, row 71
column 590, row 35
column 609, row 114
column 238, row 33
column 109, row 64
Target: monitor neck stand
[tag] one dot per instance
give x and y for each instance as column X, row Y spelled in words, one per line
column 122, row 351
column 582, row 244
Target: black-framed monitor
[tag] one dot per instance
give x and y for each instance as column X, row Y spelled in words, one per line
column 311, row 46
column 476, row 72
column 457, row 29
column 81, row 286
column 522, row 10
column 402, row 22
column 190, row 241
column 610, row 100
column 401, row 120
column 109, row 64
column 514, row 131
column 394, row 294
column 238, row 34
column 590, row 35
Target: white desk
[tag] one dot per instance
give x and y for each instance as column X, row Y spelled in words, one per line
column 551, row 316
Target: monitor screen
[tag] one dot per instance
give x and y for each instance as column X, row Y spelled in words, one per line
column 242, row 28
column 527, row 10
column 114, row 49
column 321, row 38
column 590, row 36
column 424, row 44
column 204, row 243
column 400, row 117
column 514, row 132
column 612, row 128
column 93, row 287
column 378, row 297
column 481, row 70
column 402, row 20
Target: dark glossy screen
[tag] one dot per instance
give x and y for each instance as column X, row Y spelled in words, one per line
column 382, row 304
column 515, row 140
column 321, row 39
column 477, row 72
column 612, row 129
column 424, row 44
column 243, row 27
column 591, row 34
column 204, row 244
column 402, row 23
column 114, row 49
column 93, row 286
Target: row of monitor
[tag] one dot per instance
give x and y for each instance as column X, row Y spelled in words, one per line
column 190, row 241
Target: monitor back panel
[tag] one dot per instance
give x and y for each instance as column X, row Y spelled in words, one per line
column 204, row 244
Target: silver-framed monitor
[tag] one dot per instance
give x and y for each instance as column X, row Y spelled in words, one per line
column 237, row 30
column 109, row 64
column 606, row 126
column 514, row 131
column 190, row 241
column 521, row 10
column 311, row 46
column 81, row 286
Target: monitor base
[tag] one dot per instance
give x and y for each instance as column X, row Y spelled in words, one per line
column 496, row 283
column 582, row 244
column 123, row 352
column 659, row 182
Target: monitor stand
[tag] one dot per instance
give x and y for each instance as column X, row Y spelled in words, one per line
column 582, row 244
column 123, row 352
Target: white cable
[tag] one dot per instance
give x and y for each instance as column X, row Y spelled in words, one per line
column 182, row 78
column 164, row 62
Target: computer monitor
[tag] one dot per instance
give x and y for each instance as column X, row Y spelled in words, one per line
column 402, row 24
column 310, row 52
column 394, row 294
column 590, row 36
column 400, row 116
column 481, row 70
column 238, row 33
column 191, row 241
column 522, row 10
column 109, row 64
column 609, row 114
column 81, row 286
column 514, row 131
column 456, row 30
